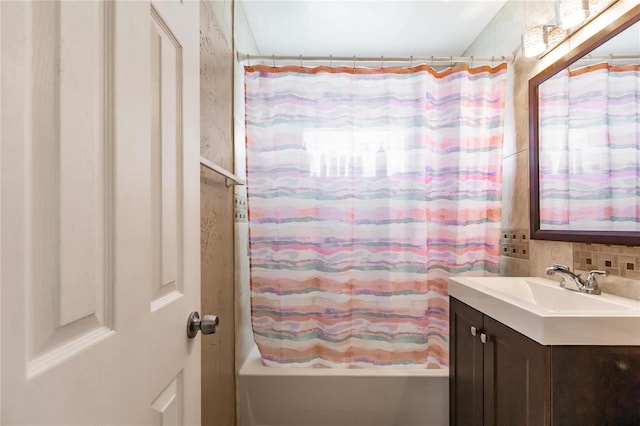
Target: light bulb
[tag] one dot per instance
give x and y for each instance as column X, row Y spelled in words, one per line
column 534, row 41
column 555, row 35
column 570, row 13
column 597, row 6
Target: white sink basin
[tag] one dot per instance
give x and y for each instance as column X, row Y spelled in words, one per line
column 549, row 314
column 549, row 296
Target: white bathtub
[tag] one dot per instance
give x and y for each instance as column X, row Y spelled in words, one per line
column 340, row 397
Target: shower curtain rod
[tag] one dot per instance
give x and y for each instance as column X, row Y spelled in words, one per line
column 244, row 57
column 608, row 57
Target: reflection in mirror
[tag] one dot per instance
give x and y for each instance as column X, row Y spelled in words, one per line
column 588, row 151
column 588, row 145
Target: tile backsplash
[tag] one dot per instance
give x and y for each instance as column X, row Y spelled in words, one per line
column 621, row 262
column 616, row 260
column 515, row 243
column 239, row 208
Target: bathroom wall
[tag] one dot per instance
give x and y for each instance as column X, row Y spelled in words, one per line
column 245, row 43
column 521, row 256
column 224, row 230
column 216, row 212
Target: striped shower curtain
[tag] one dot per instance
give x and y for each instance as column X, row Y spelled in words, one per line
column 366, row 190
column 589, row 151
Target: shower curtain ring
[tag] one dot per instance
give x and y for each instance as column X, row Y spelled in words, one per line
column 431, row 61
column 354, row 62
column 273, row 58
column 411, row 61
column 300, row 61
column 381, row 62
column 249, row 59
column 330, row 61
column 492, row 59
column 610, row 59
column 472, row 62
column 450, row 61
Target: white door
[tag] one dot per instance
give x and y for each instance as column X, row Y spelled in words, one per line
column 100, row 263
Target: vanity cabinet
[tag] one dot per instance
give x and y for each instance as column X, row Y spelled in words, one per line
column 466, row 387
column 498, row 376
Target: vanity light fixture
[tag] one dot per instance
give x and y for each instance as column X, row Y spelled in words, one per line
column 597, row 6
column 534, row 41
column 571, row 13
column 555, row 34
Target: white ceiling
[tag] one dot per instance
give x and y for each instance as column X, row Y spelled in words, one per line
column 368, row 28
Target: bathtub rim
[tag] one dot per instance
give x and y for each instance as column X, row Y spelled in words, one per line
column 253, row 366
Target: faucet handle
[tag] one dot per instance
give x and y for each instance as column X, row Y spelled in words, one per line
column 561, row 266
column 591, row 284
column 595, row 272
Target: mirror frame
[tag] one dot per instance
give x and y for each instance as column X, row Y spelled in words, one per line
column 586, row 236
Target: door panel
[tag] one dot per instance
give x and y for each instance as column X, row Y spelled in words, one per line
column 166, row 156
column 466, row 365
column 595, row 385
column 69, row 177
column 100, row 263
column 168, row 406
column 173, row 72
column 516, row 375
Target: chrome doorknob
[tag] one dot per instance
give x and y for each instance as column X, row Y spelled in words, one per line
column 208, row 324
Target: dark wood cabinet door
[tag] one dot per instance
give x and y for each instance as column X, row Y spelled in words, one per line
column 516, row 378
column 596, row 385
column 465, row 365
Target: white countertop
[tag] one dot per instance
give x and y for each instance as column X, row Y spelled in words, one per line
column 549, row 314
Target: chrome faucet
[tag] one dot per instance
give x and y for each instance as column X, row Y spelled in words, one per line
column 589, row 286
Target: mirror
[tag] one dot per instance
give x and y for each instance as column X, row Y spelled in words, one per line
column 584, row 140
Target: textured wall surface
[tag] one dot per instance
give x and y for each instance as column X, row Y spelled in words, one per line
column 245, row 43
column 216, row 212
column 501, row 37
